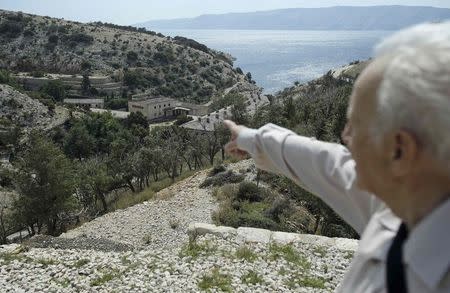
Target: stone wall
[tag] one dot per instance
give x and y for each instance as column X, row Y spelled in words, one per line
column 256, row 235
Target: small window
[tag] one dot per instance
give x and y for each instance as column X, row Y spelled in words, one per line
column 160, row 106
column 164, row 105
column 169, row 104
column 154, row 107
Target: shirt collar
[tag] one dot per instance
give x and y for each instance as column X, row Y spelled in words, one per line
column 427, row 250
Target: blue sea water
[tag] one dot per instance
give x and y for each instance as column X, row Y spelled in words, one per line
column 276, row 58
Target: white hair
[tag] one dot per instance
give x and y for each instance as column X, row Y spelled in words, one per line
column 415, row 89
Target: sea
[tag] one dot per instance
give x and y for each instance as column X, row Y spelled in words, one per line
column 277, row 59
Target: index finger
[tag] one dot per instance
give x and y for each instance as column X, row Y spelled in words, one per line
column 232, row 127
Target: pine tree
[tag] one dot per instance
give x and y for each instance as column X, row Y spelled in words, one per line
column 46, row 186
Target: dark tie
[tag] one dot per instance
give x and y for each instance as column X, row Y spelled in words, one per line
column 396, row 279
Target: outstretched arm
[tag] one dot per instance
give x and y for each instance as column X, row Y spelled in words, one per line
column 325, row 169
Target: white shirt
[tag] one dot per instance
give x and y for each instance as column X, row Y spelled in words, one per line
column 328, row 171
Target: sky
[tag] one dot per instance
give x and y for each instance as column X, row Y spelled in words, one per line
column 136, row 11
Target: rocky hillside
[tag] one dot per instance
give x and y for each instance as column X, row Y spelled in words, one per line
column 342, row 76
column 143, row 60
column 20, row 110
column 146, row 248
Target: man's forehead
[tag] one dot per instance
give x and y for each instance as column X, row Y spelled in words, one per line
column 366, row 86
column 372, row 75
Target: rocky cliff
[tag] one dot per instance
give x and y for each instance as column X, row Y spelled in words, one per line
column 145, row 61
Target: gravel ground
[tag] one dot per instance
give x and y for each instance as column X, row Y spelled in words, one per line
column 155, row 224
column 212, row 263
column 145, row 248
column 81, row 242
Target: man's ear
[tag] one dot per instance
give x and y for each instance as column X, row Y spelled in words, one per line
column 405, row 152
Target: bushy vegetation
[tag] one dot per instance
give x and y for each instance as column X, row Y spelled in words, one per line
column 7, row 78
column 11, row 29
column 222, row 178
column 55, row 89
column 214, row 280
column 245, row 204
column 45, row 182
column 116, row 103
column 106, row 155
column 191, row 43
column 239, row 107
column 73, row 170
column 216, row 170
column 141, row 79
column 172, row 67
column 318, row 111
column 13, row 25
column 127, row 28
column 183, row 118
column 78, row 39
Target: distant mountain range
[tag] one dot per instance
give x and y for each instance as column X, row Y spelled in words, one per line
column 330, row 18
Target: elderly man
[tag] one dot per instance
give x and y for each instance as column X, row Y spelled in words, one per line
column 392, row 184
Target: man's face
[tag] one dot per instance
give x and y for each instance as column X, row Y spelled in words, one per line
column 369, row 157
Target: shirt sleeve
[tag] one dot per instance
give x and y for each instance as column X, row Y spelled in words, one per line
column 324, row 169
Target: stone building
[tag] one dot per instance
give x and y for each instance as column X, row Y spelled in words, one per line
column 155, row 108
column 87, row 102
column 163, row 107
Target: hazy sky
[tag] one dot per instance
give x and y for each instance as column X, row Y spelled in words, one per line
column 135, row 11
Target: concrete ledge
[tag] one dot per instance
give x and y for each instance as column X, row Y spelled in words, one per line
column 249, row 235
column 255, row 235
column 198, row 229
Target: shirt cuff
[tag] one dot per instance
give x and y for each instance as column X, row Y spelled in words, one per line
column 246, row 140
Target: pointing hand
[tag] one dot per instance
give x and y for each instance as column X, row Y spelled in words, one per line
column 231, row 148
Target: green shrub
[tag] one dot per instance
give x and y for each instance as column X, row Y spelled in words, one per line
column 245, row 253
column 132, row 57
column 193, row 249
column 181, row 119
column 243, row 214
column 28, row 33
column 227, row 100
column 79, row 39
column 117, row 103
column 221, row 179
column 5, row 77
column 288, row 253
column 53, row 39
column 6, row 176
column 215, row 280
column 226, row 215
column 55, row 89
column 249, row 191
column 253, row 216
column 191, row 43
column 85, row 65
column 11, row 29
column 216, row 170
column 279, row 206
column 252, row 278
column 106, row 277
